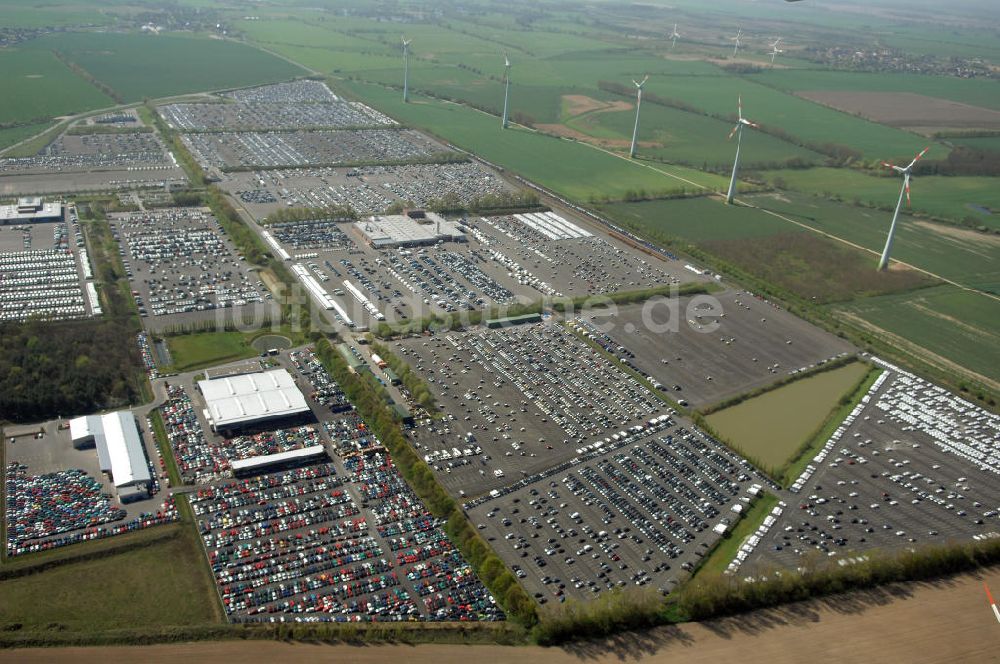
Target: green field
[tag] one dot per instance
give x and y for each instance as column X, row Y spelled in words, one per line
column 689, row 138
column 977, row 92
column 577, row 171
column 770, row 428
column 965, row 256
column 725, row 551
column 40, row 87
column 957, row 325
column 801, row 118
column 951, row 197
column 157, row 585
column 138, row 66
column 196, row 351
column 14, row 135
column 797, row 261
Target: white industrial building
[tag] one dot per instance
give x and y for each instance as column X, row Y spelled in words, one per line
column 29, row 210
column 234, row 402
column 414, row 228
column 120, row 451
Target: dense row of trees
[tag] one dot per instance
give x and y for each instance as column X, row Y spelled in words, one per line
column 335, row 212
column 508, row 202
column 418, row 389
column 50, row 369
column 371, row 405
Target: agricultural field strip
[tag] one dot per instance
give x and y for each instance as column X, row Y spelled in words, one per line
column 867, row 250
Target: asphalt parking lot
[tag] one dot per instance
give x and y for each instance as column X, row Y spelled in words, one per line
column 711, row 356
column 57, row 493
column 183, row 267
column 526, row 397
column 287, row 148
column 44, row 270
column 643, row 514
column 366, row 189
column 885, row 484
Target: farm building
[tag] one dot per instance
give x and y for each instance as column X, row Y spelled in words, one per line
column 238, row 402
column 120, row 452
column 29, row 210
column 415, row 228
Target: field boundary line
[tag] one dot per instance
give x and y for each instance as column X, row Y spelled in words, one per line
column 867, row 250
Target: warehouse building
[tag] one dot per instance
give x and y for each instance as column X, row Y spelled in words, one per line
column 240, row 402
column 271, row 463
column 120, row 452
column 411, row 229
column 30, row 210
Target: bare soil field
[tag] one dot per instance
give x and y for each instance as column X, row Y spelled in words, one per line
column 943, row 621
column 579, row 104
column 907, row 109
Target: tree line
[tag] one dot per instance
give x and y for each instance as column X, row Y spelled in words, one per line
column 372, row 407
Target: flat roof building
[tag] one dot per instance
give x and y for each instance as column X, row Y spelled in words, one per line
column 120, row 452
column 235, row 402
column 415, row 228
column 30, row 209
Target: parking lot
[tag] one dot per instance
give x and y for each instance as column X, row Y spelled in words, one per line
column 583, row 262
column 57, row 495
column 45, row 272
column 912, row 465
column 248, row 150
column 518, row 401
column 642, row 513
column 366, row 189
column 704, row 355
column 182, row 265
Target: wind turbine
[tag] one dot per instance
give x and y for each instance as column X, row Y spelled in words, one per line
column 506, row 88
column 638, row 103
column 736, row 40
column 775, row 50
column 738, row 130
column 406, row 69
column 883, row 262
column 673, row 36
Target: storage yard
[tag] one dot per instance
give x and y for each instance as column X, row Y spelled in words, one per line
column 518, row 401
column 45, row 273
column 365, row 189
column 640, row 511
column 57, row 494
column 251, row 150
column 82, row 162
column 911, row 465
column 704, row 353
column 183, row 267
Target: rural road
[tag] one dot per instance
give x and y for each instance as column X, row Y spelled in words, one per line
column 944, row 621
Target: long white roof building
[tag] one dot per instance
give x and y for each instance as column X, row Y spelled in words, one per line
column 233, row 401
column 119, row 447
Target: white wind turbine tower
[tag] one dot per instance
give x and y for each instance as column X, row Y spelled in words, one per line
column 673, row 36
column 506, row 88
column 736, row 41
column 406, row 69
column 738, row 130
column 775, row 50
column 883, row 262
column 638, row 103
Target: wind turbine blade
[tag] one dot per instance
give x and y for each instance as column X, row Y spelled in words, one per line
column 888, row 165
column 733, row 132
column 644, row 81
column 917, row 158
column 907, row 185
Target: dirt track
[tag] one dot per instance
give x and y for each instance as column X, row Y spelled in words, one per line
column 947, row 621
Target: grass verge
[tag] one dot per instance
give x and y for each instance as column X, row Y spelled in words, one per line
column 726, row 548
